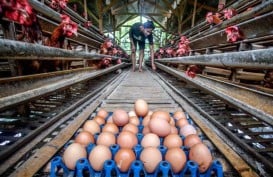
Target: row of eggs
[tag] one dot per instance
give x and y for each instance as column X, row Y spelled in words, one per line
column 123, row 129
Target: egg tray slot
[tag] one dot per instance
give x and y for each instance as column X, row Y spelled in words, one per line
column 110, row 169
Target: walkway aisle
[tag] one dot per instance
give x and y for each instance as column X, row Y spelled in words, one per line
column 140, row 85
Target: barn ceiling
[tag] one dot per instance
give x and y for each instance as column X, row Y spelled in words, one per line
column 173, row 16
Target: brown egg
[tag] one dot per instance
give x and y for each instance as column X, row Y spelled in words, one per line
column 174, row 130
column 72, row 153
column 173, row 140
column 120, row 117
column 99, row 120
column 150, row 113
column 177, row 158
column 146, row 130
column 150, row 139
column 141, row 107
column 161, row 115
column 179, row 115
column 201, row 155
column 110, row 127
column 84, row 138
column 181, row 122
column 150, row 157
column 124, row 158
column 127, row 139
column 132, row 113
column 146, row 120
column 187, row 130
column 91, row 126
column 131, row 128
column 106, row 138
column 172, row 122
column 160, row 127
column 98, row 156
column 191, row 140
column 102, row 113
column 134, row 120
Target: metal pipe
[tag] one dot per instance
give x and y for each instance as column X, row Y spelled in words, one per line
column 256, row 59
column 23, row 50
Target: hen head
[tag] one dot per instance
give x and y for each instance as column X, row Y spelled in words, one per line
column 192, row 70
column 69, row 27
column 233, row 34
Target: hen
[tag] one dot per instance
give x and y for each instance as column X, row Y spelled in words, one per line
column 66, row 28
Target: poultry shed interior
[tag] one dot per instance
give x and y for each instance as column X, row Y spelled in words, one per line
column 72, row 104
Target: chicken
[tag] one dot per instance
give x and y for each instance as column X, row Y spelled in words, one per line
column 192, row 70
column 233, row 34
column 229, row 13
column 213, row 19
column 66, row 28
column 58, row 5
column 183, row 47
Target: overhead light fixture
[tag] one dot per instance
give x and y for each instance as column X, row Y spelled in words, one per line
column 107, row 2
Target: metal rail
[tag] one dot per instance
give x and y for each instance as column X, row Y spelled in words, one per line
column 10, row 49
column 257, row 59
column 18, row 98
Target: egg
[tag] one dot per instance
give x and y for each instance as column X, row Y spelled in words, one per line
column 132, row 113
column 160, row 127
column 84, row 138
column 141, row 107
column 106, row 138
column 99, row 120
column 124, row 158
column 181, row 122
column 173, row 140
column 172, row 122
column 146, row 120
column 98, row 156
column 120, row 117
column 201, row 155
column 134, row 120
column 110, row 127
column 174, row 130
column 127, row 139
column 146, row 130
column 150, row 139
column 150, row 157
column 177, row 158
column 72, row 153
column 131, row 128
column 191, row 140
column 102, row 113
column 161, row 115
column 187, row 130
column 91, row 126
column 179, row 115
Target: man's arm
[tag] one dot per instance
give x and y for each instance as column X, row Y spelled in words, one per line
column 152, row 56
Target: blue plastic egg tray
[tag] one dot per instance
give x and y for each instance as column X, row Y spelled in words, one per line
column 83, row 167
